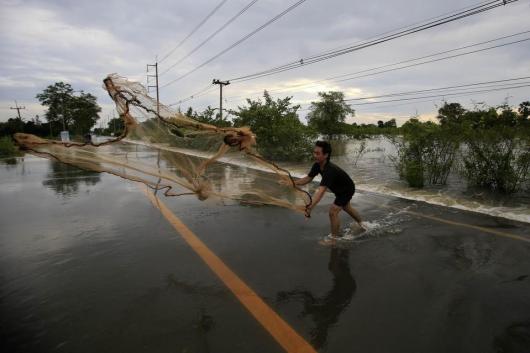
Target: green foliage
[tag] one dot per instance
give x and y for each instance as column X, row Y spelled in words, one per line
column 208, row 116
column 33, row 126
column 80, row 113
column 279, row 132
column 327, row 116
column 451, row 113
column 524, row 111
column 12, row 126
column 368, row 130
column 8, row 148
column 115, row 127
column 426, row 153
column 496, row 150
column 496, row 159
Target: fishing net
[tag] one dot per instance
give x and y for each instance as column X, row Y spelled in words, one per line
column 177, row 155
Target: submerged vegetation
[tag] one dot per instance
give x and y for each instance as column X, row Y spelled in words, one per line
column 8, row 148
column 492, row 145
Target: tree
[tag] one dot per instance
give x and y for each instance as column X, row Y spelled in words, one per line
column 390, row 124
column 115, row 127
column 11, row 126
column 450, row 113
column 327, row 115
column 507, row 117
column 524, row 111
column 208, row 116
column 80, row 113
column 279, row 132
column 380, row 124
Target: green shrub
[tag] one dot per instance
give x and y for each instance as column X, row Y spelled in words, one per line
column 425, row 153
column 8, row 148
column 279, row 133
column 496, row 159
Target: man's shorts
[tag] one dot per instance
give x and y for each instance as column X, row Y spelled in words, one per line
column 342, row 200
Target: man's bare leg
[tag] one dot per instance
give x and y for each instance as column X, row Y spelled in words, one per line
column 334, row 220
column 354, row 214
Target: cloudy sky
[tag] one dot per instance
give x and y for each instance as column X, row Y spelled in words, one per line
column 43, row 42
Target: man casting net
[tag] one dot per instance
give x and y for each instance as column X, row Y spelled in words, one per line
column 173, row 153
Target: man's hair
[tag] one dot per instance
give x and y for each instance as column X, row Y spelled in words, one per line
column 326, row 147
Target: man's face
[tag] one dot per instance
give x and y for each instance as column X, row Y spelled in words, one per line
column 318, row 155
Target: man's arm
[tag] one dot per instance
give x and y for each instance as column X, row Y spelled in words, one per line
column 305, row 180
column 316, row 198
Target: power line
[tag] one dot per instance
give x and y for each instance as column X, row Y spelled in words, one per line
column 198, row 94
column 465, row 86
column 243, row 10
column 331, row 54
column 409, row 25
column 201, row 92
column 527, row 84
column 453, row 94
column 272, row 20
column 368, row 72
column 193, row 30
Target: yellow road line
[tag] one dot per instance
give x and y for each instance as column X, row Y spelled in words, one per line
column 284, row 334
column 460, row 224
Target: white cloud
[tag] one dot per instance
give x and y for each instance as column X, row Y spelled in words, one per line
column 81, row 42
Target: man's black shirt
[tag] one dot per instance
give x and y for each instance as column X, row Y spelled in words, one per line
column 334, row 178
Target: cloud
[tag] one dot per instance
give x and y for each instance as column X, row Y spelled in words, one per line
column 81, row 42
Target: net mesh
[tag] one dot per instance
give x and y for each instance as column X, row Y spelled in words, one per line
column 176, row 155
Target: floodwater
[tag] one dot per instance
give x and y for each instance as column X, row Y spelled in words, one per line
column 87, row 264
column 374, row 170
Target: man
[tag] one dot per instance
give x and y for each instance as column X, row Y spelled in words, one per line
column 334, row 179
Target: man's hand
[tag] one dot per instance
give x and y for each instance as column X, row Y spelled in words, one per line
column 315, row 200
column 308, row 210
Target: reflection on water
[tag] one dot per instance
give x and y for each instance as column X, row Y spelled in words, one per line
column 325, row 310
column 11, row 161
column 514, row 339
column 65, row 180
column 194, row 289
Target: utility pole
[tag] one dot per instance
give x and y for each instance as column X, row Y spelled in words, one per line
column 221, row 84
column 18, row 109
column 155, row 65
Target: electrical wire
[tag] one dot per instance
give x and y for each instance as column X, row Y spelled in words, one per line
column 331, row 54
column 194, row 30
column 219, row 30
column 235, row 44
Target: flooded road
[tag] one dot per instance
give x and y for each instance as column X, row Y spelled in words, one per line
column 87, row 264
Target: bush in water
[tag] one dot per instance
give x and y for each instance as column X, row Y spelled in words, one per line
column 496, row 159
column 426, row 153
column 8, row 148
